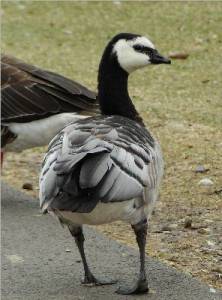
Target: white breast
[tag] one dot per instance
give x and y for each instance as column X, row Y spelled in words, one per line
column 40, row 132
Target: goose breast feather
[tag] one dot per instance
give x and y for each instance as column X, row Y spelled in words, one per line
column 106, row 159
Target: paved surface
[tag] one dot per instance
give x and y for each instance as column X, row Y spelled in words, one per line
column 37, row 264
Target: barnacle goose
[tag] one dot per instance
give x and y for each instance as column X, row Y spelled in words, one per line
column 108, row 167
column 36, row 104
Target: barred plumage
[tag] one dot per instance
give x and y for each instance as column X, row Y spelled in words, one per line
column 101, row 155
column 109, row 167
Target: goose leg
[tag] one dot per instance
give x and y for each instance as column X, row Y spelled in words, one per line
column 2, row 156
column 141, row 286
column 89, row 278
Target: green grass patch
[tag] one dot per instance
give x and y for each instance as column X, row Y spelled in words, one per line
column 69, row 37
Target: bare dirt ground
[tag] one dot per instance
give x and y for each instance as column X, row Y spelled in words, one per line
column 185, row 230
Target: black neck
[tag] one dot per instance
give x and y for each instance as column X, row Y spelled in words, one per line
column 113, row 90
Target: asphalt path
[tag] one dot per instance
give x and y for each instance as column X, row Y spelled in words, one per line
column 40, row 261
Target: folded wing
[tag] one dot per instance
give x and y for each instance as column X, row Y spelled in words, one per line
column 30, row 93
column 95, row 162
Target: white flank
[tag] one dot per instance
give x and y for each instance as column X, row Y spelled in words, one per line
column 40, row 132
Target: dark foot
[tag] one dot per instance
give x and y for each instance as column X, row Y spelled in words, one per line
column 92, row 281
column 140, row 288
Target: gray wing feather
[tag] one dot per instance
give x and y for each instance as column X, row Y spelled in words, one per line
column 94, row 169
column 47, row 181
column 123, row 188
column 108, row 182
column 93, row 163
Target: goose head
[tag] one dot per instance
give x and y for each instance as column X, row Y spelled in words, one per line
column 133, row 51
column 125, row 53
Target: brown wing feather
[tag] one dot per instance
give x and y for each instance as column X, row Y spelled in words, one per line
column 29, row 93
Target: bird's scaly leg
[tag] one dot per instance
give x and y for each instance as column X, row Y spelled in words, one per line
column 141, row 285
column 89, row 278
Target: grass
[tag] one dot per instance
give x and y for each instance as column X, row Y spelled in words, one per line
column 181, row 103
column 60, row 35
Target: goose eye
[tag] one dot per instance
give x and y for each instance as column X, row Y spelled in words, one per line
column 138, row 48
column 151, row 53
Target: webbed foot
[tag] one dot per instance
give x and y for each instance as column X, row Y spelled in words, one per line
column 141, row 287
column 90, row 280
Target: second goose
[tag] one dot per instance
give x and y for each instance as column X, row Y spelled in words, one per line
column 109, row 167
column 36, row 104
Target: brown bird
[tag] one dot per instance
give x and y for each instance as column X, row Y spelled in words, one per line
column 37, row 104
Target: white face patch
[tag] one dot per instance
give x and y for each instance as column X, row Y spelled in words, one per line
column 142, row 40
column 130, row 59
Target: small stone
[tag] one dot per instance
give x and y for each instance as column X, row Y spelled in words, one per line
column 209, row 221
column 195, row 226
column 212, row 290
column 163, row 250
column 169, row 227
column 188, row 223
column 205, row 182
column 201, row 169
column 27, row 186
column 206, row 185
column 204, row 230
column 174, row 258
column 190, row 146
column 68, row 32
column 68, row 250
column 210, row 243
column 206, row 250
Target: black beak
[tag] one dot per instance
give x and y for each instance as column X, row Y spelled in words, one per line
column 159, row 59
